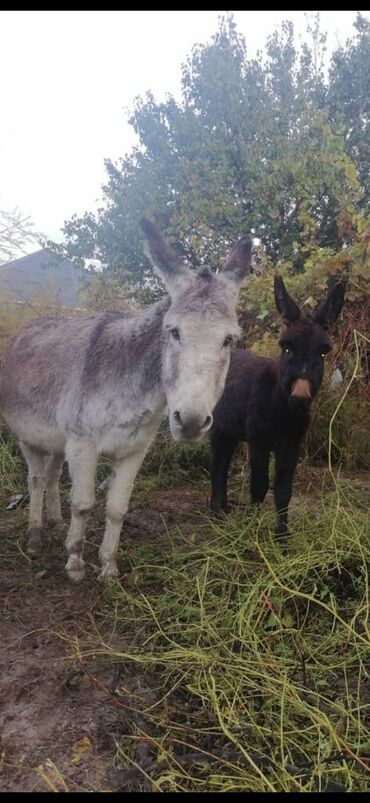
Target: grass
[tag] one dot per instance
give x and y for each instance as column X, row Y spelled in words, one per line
column 241, row 664
column 245, row 663
column 13, row 478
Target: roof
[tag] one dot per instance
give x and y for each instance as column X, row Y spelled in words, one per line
column 41, row 274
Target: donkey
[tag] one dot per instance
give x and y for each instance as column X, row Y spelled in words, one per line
column 267, row 403
column 82, row 387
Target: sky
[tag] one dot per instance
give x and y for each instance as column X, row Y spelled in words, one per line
column 69, row 79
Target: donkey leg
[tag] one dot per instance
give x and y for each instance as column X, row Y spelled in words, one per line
column 119, row 492
column 53, row 470
column 222, row 450
column 82, row 461
column 286, row 461
column 259, row 463
column 36, row 486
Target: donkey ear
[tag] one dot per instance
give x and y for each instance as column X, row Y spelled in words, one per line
column 285, row 305
column 327, row 312
column 238, row 263
column 164, row 259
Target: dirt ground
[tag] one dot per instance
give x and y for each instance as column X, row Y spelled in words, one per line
column 57, row 724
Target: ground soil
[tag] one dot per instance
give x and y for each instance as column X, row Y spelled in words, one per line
column 58, row 723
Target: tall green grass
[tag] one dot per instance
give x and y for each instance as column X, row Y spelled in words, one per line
column 13, row 478
column 246, row 661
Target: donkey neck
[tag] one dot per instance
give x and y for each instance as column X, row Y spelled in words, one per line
column 127, row 351
column 140, row 345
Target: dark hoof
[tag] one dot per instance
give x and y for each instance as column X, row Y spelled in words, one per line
column 282, row 538
column 220, row 510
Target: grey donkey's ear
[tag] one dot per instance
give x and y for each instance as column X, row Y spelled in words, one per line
column 163, row 258
column 327, row 312
column 238, row 263
column 285, row 305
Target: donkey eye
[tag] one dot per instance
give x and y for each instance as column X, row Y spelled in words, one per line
column 175, row 333
column 228, row 341
column 287, row 349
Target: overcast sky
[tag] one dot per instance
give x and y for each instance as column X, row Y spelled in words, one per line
column 68, row 79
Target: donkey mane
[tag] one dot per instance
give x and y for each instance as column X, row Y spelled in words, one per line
column 205, row 273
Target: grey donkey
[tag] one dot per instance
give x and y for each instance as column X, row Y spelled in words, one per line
column 77, row 388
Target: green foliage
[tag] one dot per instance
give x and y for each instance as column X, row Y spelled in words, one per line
column 349, row 99
column 173, row 464
column 254, row 144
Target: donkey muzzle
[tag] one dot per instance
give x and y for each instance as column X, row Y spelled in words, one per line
column 301, row 395
column 301, row 389
column 188, row 427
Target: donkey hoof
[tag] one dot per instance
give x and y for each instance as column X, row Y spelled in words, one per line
column 34, row 543
column 220, row 510
column 109, row 573
column 75, row 569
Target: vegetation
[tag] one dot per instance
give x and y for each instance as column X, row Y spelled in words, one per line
column 237, row 663
column 252, row 662
column 16, row 231
column 266, row 145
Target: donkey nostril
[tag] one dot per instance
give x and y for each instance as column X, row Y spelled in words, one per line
column 177, row 417
column 207, row 422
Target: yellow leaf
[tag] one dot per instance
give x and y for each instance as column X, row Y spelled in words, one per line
column 80, row 748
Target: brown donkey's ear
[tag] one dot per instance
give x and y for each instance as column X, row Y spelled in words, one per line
column 285, row 305
column 327, row 312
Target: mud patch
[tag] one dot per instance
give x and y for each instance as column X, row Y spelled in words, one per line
column 48, row 705
column 58, row 724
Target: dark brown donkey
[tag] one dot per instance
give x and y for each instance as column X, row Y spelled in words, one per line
column 267, row 403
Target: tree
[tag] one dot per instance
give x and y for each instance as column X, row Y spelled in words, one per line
column 251, row 146
column 15, row 233
column 349, row 99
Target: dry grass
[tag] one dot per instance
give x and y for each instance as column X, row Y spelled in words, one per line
column 243, row 663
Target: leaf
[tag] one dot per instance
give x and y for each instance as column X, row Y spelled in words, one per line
column 272, row 621
column 80, row 748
